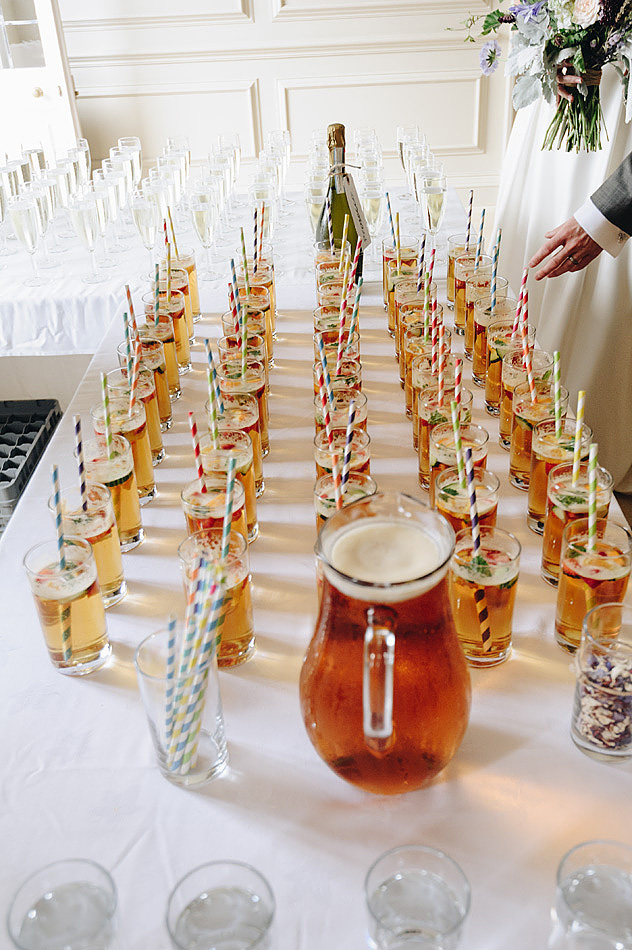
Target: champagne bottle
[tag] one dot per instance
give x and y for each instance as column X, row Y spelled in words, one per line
column 339, row 191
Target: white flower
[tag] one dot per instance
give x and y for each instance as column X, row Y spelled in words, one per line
column 562, row 10
column 586, row 12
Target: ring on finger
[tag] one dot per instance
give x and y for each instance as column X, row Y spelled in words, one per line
column 573, row 260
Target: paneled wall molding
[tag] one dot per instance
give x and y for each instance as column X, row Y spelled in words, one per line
column 294, row 10
column 217, row 18
column 430, row 44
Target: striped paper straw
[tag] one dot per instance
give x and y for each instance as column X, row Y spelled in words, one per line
column 345, row 231
column 128, row 344
column 577, row 447
column 426, row 305
column 557, row 395
column 421, row 263
column 173, row 234
column 255, row 256
column 325, row 404
column 526, row 356
column 434, row 349
column 458, row 383
column 354, row 316
column 59, row 528
column 458, row 447
column 330, row 224
column 479, row 242
column 228, row 512
column 214, row 379
column 523, row 285
column 168, row 272
column 441, row 383
column 133, row 390
column 323, row 359
column 80, row 462
column 495, row 268
column 354, row 266
column 398, row 244
column 212, row 404
column 525, row 307
column 157, row 295
column 233, row 310
column 480, row 599
column 262, row 216
column 433, row 254
column 341, row 319
column 196, row 450
column 132, row 315
column 165, row 232
column 107, row 423
column 233, row 278
column 244, row 259
column 243, row 317
column 592, row 497
column 469, row 220
column 170, row 669
column 390, row 218
column 346, row 463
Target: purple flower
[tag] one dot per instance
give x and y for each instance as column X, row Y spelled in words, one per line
column 490, row 54
column 528, row 11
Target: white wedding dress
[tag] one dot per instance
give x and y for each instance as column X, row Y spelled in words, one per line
column 587, row 316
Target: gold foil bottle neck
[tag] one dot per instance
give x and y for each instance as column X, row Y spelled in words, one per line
column 336, row 136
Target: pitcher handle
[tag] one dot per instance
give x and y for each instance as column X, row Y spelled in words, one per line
column 377, row 681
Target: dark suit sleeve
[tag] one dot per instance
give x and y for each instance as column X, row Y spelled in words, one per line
column 614, row 197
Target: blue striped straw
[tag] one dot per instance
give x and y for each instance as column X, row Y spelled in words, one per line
column 228, row 513
column 80, row 462
column 233, row 279
column 323, row 360
column 170, row 675
column 390, row 218
column 214, row 379
column 58, row 520
column 479, row 243
column 346, row 462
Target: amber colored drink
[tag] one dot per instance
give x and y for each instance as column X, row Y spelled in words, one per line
column 456, row 248
column 119, row 385
column 589, row 577
column 409, row 252
column 253, row 383
column 259, row 299
column 464, row 267
column 567, row 502
column 443, row 450
column 179, row 285
column 431, row 414
column 410, row 316
column 359, row 485
column 164, row 332
column 173, row 309
column 134, row 429
column 477, row 285
column 406, row 292
column 69, row 605
column 547, row 451
column 153, row 359
column 263, row 278
column 488, row 577
column 482, row 317
column 527, row 413
column 237, row 630
column 340, row 410
column 453, row 499
column 360, row 460
column 215, row 460
column 423, row 375
column 241, row 413
column 406, row 271
column 513, row 373
column 204, row 504
column 402, row 570
column 499, row 342
column 117, row 473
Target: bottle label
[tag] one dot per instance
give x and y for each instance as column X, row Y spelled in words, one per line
column 357, row 213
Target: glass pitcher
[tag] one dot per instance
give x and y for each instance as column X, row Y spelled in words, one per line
column 385, row 688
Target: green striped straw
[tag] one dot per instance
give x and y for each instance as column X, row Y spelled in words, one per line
column 557, row 395
column 157, row 295
column 496, row 254
column 577, row 447
column 456, row 427
column 244, row 258
column 228, row 513
column 592, row 497
column 212, row 412
column 107, row 422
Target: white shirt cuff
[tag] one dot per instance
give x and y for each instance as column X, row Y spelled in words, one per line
column 606, row 234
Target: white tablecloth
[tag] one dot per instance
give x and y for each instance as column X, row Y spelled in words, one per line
column 79, row 776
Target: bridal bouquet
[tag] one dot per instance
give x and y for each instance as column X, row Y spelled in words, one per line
column 579, row 36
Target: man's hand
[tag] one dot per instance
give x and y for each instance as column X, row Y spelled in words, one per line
column 565, row 79
column 568, row 248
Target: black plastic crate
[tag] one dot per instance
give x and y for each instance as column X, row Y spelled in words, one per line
column 26, row 426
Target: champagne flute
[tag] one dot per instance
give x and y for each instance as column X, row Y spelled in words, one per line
column 4, row 250
column 99, row 188
column 432, row 189
column 25, row 219
column 315, row 196
column 85, row 218
column 45, row 213
column 373, row 198
column 131, row 144
column 84, row 147
column 205, row 212
column 145, row 216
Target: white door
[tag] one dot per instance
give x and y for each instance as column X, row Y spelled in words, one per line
column 37, row 102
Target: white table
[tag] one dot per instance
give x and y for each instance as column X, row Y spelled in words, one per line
column 79, row 775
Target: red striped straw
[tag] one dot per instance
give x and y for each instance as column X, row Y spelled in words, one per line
column 354, row 266
column 255, row 257
column 132, row 315
column 435, row 343
column 135, row 377
column 433, row 254
column 526, row 356
column 525, row 307
column 441, row 367
column 164, row 229
column 458, row 384
column 233, row 309
column 516, row 323
column 330, row 438
column 196, row 449
column 342, row 319
column 426, row 305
